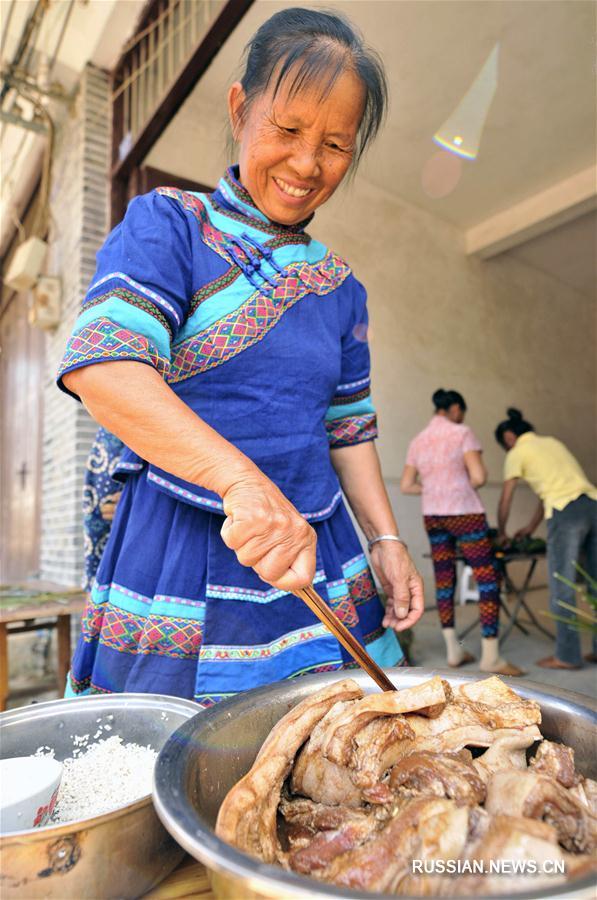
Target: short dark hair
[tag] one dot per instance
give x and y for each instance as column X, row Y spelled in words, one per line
column 445, row 399
column 515, row 423
column 304, row 47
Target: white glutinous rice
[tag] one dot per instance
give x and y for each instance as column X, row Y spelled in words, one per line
column 101, row 777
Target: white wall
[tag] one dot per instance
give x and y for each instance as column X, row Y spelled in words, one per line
column 499, row 331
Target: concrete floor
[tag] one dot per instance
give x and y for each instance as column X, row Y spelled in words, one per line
column 428, row 647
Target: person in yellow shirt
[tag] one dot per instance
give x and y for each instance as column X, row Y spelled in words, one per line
column 568, row 501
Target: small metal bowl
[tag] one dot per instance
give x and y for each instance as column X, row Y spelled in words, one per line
column 205, row 757
column 120, row 854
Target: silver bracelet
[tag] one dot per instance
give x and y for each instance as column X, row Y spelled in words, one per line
column 385, row 537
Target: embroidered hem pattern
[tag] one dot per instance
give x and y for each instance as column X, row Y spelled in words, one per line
column 109, row 624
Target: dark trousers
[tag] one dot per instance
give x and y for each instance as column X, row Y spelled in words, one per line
column 571, row 537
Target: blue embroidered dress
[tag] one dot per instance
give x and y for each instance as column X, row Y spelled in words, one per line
column 262, row 332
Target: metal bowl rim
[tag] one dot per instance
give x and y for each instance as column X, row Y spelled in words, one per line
column 118, row 700
column 162, row 702
column 226, row 860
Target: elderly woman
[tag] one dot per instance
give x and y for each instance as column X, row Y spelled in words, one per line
column 232, row 365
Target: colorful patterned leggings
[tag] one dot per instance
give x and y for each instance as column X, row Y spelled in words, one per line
column 467, row 535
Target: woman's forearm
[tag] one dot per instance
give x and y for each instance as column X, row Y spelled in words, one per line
column 360, row 475
column 503, row 514
column 505, row 504
column 476, row 469
column 414, row 489
column 133, row 401
column 409, row 483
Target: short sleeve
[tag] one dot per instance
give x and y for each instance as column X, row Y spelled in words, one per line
column 512, row 465
column 470, row 441
column 140, row 293
column 351, row 417
column 411, row 454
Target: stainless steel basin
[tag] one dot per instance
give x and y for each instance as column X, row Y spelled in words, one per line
column 120, row 854
column 207, row 755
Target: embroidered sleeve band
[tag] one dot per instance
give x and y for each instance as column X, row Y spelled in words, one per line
column 352, row 392
column 351, row 430
column 341, row 409
column 103, row 341
column 135, row 300
column 355, row 397
column 130, row 312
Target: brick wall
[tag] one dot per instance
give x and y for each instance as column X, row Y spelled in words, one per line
column 79, row 222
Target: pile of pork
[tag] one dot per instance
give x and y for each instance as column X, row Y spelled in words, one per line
column 350, row 789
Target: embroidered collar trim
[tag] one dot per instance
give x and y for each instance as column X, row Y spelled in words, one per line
column 234, row 198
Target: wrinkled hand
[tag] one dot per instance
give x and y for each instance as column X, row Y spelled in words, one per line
column 502, row 539
column 523, row 532
column 402, row 584
column 268, row 534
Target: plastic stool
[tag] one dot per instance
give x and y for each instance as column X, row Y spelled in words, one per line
column 467, row 589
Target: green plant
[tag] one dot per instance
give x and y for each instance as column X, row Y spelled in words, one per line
column 586, row 591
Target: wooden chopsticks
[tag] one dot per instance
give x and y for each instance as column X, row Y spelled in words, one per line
column 315, row 603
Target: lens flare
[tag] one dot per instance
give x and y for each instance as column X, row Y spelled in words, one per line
column 361, row 332
column 441, row 174
column 461, row 132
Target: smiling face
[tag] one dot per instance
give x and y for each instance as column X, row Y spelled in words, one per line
column 295, row 150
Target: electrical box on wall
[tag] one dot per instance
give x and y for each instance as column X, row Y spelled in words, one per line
column 26, row 264
column 46, row 302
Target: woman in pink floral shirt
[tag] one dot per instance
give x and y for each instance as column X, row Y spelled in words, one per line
column 444, row 465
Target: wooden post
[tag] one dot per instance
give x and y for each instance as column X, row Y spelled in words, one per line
column 3, row 666
column 63, row 632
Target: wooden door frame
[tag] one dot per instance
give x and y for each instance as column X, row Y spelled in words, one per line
column 7, row 299
column 145, row 178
